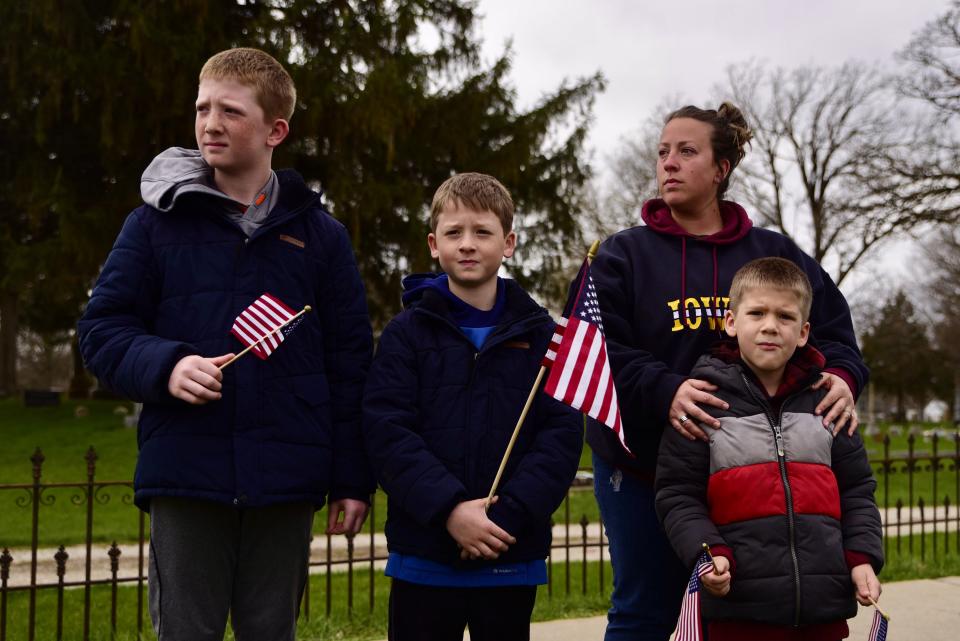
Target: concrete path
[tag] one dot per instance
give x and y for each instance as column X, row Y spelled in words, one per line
column 927, row 609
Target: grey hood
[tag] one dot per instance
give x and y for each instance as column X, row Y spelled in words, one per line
column 174, row 172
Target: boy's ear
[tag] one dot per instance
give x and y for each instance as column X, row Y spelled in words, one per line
column 804, row 334
column 509, row 244
column 728, row 325
column 278, row 132
column 432, row 244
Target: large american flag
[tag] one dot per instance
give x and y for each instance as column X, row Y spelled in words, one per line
column 577, row 358
column 257, row 325
column 688, row 625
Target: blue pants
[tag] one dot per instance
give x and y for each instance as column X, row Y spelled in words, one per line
column 648, row 579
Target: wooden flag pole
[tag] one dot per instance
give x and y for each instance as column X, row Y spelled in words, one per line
column 526, row 407
column 882, row 613
column 306, row 308
column 516, row 432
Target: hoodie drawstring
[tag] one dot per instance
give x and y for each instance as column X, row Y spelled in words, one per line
column 714, row 312
column 716, row 300
column 683, row 276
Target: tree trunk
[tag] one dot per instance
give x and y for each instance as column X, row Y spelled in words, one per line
column 80, row 383
column 9, row 326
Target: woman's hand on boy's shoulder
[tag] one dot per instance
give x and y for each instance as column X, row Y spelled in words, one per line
column 685, row 414
column 838, row 403
column 196, row 379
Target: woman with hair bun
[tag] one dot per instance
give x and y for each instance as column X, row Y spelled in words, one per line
column 663, row 290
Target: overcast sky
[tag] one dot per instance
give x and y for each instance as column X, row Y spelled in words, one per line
column 651, row 51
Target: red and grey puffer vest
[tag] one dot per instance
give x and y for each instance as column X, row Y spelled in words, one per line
column 776, row 488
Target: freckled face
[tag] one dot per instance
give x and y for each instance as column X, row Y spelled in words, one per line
column 687, row 174
column 232, row 132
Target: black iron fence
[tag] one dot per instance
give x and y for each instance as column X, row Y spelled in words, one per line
column 911, row 513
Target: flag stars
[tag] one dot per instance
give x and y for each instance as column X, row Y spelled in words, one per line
column 589, row 306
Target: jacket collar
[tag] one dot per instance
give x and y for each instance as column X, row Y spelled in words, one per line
column 724, row 368
column 520, row 313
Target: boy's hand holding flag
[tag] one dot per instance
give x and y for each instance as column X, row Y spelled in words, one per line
column 263, row 325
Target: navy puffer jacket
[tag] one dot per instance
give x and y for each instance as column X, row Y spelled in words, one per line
column 286, row 429
column 437, row 416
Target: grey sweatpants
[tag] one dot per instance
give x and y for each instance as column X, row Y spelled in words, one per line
column 208, row 560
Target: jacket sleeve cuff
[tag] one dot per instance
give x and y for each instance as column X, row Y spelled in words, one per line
column 724, row 550
column 854, row 558
column 439, row 518
column 349, row 493
column 666, row 390
column 847, row 378
column 508, row 515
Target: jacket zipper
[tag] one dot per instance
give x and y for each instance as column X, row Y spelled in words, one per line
column 515, row 328
column 788, row 493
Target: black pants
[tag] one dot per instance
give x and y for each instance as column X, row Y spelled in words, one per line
column 430, row 613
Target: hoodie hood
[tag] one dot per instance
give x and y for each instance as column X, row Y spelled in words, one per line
column 175, row 172
column 464, row 314
column 415, row 285
column 656, row 214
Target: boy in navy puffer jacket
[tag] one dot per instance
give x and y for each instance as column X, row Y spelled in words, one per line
column 233, row 464
column 787, row 508
column 446, row 387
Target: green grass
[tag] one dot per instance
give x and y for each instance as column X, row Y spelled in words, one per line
column 64, row 438
column 361, row 623
column 895, row 485
column 905, row 565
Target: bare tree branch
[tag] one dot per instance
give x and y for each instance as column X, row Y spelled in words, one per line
column 830, row 169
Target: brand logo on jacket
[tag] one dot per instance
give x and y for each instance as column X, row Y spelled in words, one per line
column 293, row 241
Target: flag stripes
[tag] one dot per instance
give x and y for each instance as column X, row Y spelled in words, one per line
column 257, row 325
column 580, row 374
column 688, row 625
column 878, row 630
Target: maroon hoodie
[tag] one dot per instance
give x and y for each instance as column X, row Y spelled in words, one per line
column 663, row 293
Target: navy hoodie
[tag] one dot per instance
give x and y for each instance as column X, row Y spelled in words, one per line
column 663, row 293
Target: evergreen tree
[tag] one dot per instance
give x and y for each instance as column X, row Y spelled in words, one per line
column 93, row 90
column 902, row 361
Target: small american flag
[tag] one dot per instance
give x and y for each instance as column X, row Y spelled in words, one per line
column 259, row 323
column 878, row 631
column 577, row 357
column 688, row 625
